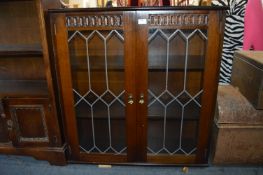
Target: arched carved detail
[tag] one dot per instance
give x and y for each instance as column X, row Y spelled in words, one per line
column 95, row 21
column 178, row 19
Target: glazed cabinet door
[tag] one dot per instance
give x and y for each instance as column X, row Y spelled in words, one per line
column 96, row 74
column 177, row 92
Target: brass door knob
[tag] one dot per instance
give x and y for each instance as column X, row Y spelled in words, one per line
column 141, row 100
column 130, row 99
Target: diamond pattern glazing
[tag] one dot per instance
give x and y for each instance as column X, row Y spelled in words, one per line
column 98, row 94
column 174, row 58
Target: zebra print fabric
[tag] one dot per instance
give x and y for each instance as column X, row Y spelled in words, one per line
column 233, row 36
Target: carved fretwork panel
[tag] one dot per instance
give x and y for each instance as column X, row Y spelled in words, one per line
column 111, row 20
column 178, row 19
column 29, row 123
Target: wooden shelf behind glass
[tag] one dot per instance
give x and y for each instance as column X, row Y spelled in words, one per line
column 20, row 50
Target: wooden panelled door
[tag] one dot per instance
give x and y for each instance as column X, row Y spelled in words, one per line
column 137, row 86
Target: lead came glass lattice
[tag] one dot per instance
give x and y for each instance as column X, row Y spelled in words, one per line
column 175, row 64
column 97, row 68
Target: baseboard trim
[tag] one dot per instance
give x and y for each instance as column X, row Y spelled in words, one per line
column 54, row 155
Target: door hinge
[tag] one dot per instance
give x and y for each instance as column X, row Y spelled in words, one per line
column 55, row 29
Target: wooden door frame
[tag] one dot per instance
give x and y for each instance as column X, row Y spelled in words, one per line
column 63, row 67
column 130, row 83
column 141, row 85
column 210, row 82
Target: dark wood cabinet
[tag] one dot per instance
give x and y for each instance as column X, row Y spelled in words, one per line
column 29, row 123
column 109, row 85
column 138, row 84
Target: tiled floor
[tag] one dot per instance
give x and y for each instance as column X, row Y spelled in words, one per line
column 19, row 165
